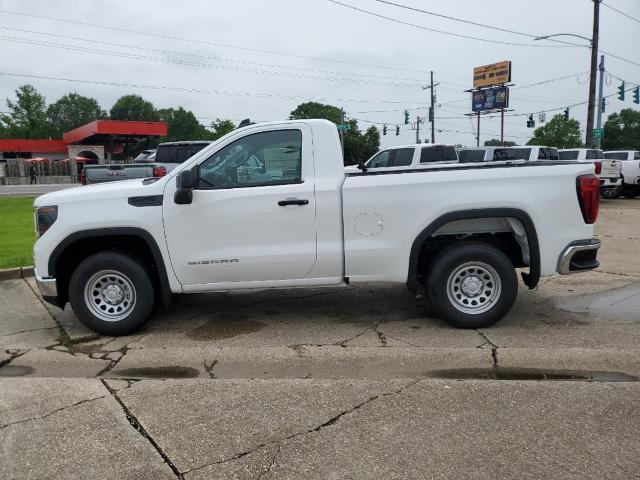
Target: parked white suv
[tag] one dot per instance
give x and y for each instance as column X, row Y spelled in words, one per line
column 630, row 170
column 609, row 171
column 271, row 206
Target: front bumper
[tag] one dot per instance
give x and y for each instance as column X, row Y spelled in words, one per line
column 48, row 289
column 579, row 256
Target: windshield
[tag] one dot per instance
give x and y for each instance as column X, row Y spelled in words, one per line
column 523, row 153
column 616, row 155
column 471, row 156
column 568, row 155
column 548, row 154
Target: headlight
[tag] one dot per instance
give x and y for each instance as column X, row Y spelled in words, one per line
column 45, row 216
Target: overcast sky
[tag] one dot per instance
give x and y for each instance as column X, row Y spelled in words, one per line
column 265, row 57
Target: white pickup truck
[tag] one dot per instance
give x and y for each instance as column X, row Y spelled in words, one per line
column 608, row 170
column 630, row 170
column 270, row 206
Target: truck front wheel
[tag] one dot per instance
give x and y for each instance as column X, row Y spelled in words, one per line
column 472, row 285
column 111, row 293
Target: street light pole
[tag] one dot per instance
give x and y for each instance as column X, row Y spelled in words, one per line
column 593, row 73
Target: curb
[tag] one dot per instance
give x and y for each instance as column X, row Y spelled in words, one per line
column 18, row 272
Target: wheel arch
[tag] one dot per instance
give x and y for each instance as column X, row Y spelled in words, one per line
column 530, row 279
column 131, row 240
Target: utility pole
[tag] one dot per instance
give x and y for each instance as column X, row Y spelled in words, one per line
column 478, row 132
column 433, row 113
column 594, row 71
column 598, row 140
column 342, row 131
column 417, row 128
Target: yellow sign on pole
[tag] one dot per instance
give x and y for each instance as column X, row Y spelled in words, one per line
column 493, row 74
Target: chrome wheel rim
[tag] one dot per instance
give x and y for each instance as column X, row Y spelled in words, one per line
column 474, row 287
column 110, row 295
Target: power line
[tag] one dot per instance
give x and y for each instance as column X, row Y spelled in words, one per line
column 205, row 91
column 456, row 19
column 422, row 27
column 208, row 57
column 194, row 64
column 620, row 12
column 111, row 28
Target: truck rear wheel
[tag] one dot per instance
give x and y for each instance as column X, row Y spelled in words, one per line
column 111, row 293
column 630, row 191
column 472, row 285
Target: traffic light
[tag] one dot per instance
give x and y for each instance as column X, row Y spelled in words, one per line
column 636, row 95
column 566, row 113
column 384, row 129
column 397, row 130
column 406, row 117
column 531, row 123
column 621, row 92
column 431, row 114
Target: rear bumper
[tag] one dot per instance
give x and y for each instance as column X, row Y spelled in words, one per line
column 579, row 256
column 610, row 182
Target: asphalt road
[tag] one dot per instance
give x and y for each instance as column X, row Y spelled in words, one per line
column 360, row 382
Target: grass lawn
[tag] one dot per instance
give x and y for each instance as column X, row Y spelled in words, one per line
column 17, row 233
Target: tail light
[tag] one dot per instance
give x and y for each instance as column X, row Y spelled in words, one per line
column 589, row 197
column 598, row 168
column 83, row 178
column 159, row 171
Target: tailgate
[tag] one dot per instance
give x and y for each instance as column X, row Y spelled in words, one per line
column 611, row 168
column 111, row 173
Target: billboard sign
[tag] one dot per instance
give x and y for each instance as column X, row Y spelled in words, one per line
column 493, row 74
column 493, row 98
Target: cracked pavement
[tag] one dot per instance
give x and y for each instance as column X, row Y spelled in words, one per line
column 358, row 382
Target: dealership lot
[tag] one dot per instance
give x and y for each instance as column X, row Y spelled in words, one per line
column 328, row 383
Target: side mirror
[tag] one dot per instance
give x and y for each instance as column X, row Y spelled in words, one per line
column 185, row 182
column 362, row 166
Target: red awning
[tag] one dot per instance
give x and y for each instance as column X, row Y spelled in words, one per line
column 34, row 146
column 115, row 127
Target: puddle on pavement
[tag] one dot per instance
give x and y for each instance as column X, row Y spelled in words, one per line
column 531, row 374
column 619, row 303
column 15, row 371
column 225, row 325
column 159, row 372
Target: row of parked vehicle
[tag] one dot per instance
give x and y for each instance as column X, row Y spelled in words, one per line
column 618, row 171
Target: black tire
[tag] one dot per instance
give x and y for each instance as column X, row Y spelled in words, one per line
column 127, row 277
column 630, row 191
column 610, row 193
column 499, row 295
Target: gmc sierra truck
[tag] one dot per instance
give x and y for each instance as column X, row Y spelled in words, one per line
column 630, row 160
column 609, row 171
column 271, row 206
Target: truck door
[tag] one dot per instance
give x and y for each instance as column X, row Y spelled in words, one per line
column 253, row 212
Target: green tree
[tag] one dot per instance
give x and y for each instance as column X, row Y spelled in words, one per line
column 182, row 125
column 494, row 142
column 220, row 128
column 622, row 131
column 72, row 111
column 134, row 107
column 27, row 115
column 357, row 146
column 558, row 132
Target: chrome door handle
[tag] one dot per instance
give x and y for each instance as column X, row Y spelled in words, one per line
column 293, row 201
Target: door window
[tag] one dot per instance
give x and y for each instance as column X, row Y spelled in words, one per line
column 380, row 160
column 266, row 158
column 523, row 153
column 471, row 156
column 594, row 154
column 616, row 155
column 500, row 154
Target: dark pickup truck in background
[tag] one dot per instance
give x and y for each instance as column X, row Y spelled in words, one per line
column 148, row 164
